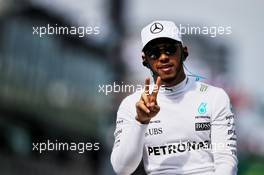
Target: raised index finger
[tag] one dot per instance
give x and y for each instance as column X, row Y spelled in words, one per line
column 156, row 88
column 146, row 88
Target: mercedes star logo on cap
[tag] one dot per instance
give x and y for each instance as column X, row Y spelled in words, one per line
column 156, row 28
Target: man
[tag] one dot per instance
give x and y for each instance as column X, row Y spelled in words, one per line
column 183, row 126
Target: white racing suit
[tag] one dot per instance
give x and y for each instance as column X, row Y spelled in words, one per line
column 193, row 133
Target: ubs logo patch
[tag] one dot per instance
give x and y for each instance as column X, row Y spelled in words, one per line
column 153, row 131
column 202, row 126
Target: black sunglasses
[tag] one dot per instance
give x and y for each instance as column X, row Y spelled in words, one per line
column 155, row 52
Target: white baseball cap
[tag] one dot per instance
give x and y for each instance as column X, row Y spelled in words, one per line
column 160, row 29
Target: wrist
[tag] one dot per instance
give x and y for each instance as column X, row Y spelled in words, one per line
column 142, row 122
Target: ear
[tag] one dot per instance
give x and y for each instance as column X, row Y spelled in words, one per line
column 185, row 52
column 143, row 55
column 144, row 62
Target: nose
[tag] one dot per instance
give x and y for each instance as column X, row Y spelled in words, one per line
column 163, row 57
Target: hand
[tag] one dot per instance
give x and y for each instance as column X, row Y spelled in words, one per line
column 147, row 107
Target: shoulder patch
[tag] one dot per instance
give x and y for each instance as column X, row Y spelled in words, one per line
column 203, row 88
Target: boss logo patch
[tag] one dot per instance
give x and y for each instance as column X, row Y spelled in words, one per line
column 202, row 126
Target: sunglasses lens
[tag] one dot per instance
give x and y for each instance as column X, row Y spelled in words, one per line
column 170, row 50
column 156, row 52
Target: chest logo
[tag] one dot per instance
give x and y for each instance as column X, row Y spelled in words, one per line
column 202, row 126
column 202, row 108
column 153, row 131
column 203, row 87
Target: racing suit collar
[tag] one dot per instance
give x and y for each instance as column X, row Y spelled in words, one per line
column 175, row 89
